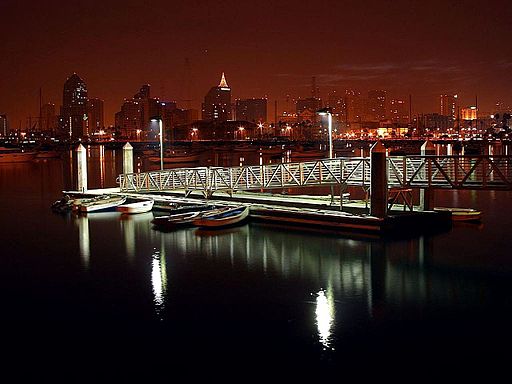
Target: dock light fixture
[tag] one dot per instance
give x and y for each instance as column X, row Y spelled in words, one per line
column 159, row 120
column 327, row 112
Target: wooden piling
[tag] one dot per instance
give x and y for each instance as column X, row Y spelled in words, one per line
column 379, row 181
column 127, row 158
column 427, row 194
column 81, row 153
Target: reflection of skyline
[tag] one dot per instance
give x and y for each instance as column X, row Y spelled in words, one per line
column 350, row 279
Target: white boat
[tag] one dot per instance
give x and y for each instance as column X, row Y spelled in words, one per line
column 136, row 207
column 461, row 214
column 185, row 219
column 228, row 217
column 108, row 203
column 15, row 155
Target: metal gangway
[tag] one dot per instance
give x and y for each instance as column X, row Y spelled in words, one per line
column 412, row 171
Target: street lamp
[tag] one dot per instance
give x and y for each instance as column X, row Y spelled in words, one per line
column 159, row 120
column 324, row 112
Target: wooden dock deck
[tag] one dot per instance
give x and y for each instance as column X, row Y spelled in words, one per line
column 307, row 212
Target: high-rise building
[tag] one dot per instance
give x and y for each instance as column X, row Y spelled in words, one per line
column 254, row 110
column 48, row 118
column 398, row 112
column 217, row 102
column 128, row 120
column 376, row 105
column 144, row 92
column 448, row 106
column 74, row 107
column 95, row 113
column 354, row 105
column 4, row 126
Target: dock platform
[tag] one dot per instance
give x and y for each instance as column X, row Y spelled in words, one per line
column 307, row 212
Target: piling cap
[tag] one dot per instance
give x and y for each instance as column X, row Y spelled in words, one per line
column 378, row 147
column 428, row 146
column 80, row 148
column 127, row 146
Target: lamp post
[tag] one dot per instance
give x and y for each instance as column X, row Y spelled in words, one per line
column 159, row 120
column 327, row 112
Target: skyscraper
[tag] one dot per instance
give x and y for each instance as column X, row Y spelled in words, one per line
column 74, row 107
column 4, row 128
column 448, row 105
column 254, row 110
column 95, row 113
column 217, row 102
column 376, row 105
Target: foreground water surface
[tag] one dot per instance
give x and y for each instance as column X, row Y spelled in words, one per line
column 102, row 290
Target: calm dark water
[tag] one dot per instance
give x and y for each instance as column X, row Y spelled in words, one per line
column 81, row 294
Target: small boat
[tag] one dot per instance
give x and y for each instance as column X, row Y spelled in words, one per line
column 108, row 203
column 184, row 219
column 67, row 203
column 176, row 156
column 141, row 206
column 461, row 214
column 229, row 217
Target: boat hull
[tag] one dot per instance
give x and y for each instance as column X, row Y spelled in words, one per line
column 137, row 207
column 228, row 218
column 102, row 205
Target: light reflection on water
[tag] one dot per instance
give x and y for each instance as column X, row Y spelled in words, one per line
column 320, row 286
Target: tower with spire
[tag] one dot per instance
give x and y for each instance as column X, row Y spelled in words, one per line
column 217, row 102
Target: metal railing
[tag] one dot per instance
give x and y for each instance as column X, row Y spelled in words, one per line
column 459, row 172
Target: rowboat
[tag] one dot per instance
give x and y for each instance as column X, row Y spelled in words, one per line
column 461, row 214
column 141, row 206
column 184, row 219
column 229, row 217
column 108, row 203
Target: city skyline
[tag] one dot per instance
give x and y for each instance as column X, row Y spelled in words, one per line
column 272, row 50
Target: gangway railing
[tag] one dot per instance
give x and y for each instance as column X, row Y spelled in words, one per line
column 431, row 171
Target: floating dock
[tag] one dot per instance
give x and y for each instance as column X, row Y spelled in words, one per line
column 319, row 213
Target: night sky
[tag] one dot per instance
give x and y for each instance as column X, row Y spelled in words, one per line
column 266, row 48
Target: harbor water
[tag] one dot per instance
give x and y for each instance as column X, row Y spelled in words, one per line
column 105, row 291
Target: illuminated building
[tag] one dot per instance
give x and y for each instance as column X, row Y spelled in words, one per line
column 128, row 120
column 254, row 110
column 217, row 102
column 95, row 113
column 448, row 106
column 4, row 126
column 376, row 105
column 469, row 113
column 355, row 106
column 74, row 107
column 398, row 112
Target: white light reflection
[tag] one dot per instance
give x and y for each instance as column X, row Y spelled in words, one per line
column 324, row 317
column 158, row 280
column 84, row 242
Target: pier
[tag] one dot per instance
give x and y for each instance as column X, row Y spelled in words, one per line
column 388, row 181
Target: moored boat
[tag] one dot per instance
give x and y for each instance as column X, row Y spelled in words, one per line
column 461, row 214
column 108, row 203
column 229, row 217
column 141, row 206
column 184, row 219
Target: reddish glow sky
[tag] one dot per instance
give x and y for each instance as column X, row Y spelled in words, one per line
column 266, row 48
